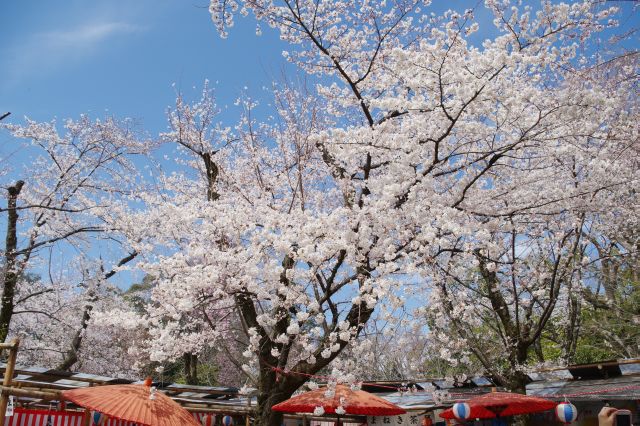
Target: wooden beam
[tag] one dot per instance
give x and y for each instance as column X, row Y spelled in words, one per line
column 216, row 410
column 610, row 363
column 29, row 393
column 195, row 389
column 11, row 345
column 27, row 384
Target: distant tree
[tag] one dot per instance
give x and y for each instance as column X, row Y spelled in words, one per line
column 62, row 202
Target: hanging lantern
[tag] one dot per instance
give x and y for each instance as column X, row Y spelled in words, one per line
column 227, row 421
column 461, row 410
column 566, row 412
column 99, row 419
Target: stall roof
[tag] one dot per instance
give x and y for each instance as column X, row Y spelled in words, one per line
column 620, row 379
column 615, row 388
column 55, row 380
column 597, row 370
column 64, row 379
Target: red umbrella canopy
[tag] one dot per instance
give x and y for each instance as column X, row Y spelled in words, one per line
column 500, row 404
column 132, row 403
column 353, row 402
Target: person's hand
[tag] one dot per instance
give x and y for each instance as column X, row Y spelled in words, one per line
column 607, row 416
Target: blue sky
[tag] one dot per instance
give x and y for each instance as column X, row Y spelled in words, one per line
column 60, row 59
column 63, row 58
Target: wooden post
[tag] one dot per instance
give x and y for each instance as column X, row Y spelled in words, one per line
column 8, row 377
column 86, row 420
column 247, row 421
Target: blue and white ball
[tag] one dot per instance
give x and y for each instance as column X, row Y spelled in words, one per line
column 566, row 412
column 461, row 410
column 227, row 421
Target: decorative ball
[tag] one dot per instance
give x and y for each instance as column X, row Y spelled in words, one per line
column 99, row 419
column 227, row 420
column 461, row 410
column 566, row 412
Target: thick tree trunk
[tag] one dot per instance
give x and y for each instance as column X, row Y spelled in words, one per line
column 11, row 266
column 267, row 417
column 267, row 398
column 273, row 389
column 190, row 368
column 572, row 332
column 518, row 382
column 275, row 386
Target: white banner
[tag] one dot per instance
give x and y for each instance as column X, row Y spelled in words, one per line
column 400, row 420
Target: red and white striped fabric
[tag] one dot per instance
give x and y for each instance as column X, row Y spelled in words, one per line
column 206, row 419
column 24, row 417
column 116, row 422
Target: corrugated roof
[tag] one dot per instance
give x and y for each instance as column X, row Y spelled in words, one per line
column 615, row 388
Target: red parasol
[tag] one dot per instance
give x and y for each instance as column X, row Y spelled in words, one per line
column 500, row 404
column 353, row 402
column 133, row 403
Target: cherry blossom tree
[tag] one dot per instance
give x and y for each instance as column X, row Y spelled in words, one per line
column 524, row 287
column 60, row 210
column 419, row 154
column 611, row 323
column 56, row 331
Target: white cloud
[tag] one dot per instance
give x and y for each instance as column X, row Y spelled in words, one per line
column 50, row 50
column 84, row 37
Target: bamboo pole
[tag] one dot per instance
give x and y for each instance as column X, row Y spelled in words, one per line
column 8, row 345
column 219, row 409
column 8, row 375
column 247, row 422
column 44, row 387
column 29, row 393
